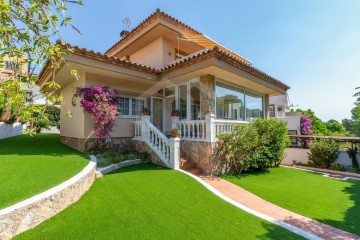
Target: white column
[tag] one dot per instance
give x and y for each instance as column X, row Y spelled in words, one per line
column 144, row 129
column 174, row 122
column 174, row 153
column 210, row 127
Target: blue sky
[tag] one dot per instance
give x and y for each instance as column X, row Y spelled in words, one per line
column 311, row 45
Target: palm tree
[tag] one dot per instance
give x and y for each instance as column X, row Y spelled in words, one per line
column 357, row 94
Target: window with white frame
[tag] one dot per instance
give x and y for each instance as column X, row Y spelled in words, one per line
column 130, row 106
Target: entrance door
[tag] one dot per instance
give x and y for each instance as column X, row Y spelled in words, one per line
column 169, row 107
column 157, row 112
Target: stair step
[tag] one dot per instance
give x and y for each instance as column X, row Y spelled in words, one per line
column 186, row 165
column 195, row 171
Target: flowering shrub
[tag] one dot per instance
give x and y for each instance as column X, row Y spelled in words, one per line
column 100, row 102
column 254, row 146
column 305, row 129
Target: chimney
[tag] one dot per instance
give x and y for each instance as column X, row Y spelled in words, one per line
column 124, row 33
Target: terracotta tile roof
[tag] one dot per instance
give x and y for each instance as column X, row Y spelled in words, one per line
column 75, row 50
column 181, row 63
column 157, row 14
column 225, row 57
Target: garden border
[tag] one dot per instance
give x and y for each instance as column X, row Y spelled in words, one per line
column 326, row 172
column 104, row 170
column 285, row 225
column 31, row 212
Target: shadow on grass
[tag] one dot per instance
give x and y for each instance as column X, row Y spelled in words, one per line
column 140, row 167
column 273, row 233
column 351, row 222
column 40, row 144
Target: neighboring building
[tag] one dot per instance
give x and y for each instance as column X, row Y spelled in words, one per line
column 165, row 65
column 33, row 93
column 279, row 107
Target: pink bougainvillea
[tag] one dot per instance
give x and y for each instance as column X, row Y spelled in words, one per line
column 100, row 102
column 305, row 129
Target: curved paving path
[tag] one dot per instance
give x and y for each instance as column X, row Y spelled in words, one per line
column 252, row 201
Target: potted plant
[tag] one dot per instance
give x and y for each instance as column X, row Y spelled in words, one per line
column 174, row 132
column 175, row 113
column 145, row 111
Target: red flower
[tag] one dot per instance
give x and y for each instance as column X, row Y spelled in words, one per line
column 221, row 142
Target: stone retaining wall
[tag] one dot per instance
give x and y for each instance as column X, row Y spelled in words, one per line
column 84, row 145
column 33, row 211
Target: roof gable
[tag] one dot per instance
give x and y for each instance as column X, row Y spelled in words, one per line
column 190, row 34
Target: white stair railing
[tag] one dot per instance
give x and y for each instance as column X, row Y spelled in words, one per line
column 166, row 149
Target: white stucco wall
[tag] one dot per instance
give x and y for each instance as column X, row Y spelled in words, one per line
column 150, row 55
column 72, row 126
column 10, row 130
column 301, row 155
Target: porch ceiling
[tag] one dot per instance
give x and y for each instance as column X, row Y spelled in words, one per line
column 104, row 73
column 225, row 72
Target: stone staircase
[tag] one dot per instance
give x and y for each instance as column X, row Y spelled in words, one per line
column 191, row 167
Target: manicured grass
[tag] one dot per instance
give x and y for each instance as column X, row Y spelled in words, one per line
column 31, row 165
column 327, row 200
column 150, row 202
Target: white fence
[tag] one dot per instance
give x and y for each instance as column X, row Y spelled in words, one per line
column 10, row 130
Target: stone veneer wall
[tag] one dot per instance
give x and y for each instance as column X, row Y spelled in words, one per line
column 207, row 95
column 33, row 211
column 198, row 152
column 143, row 147
column 83, row 145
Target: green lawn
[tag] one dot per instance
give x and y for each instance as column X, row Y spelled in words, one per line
column 327, row 200
column 150, row 202
column 31, row 165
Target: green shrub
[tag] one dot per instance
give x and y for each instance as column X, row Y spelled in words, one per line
column 53, row 113
column 103, row 162
column 112, row 156
column 323, row 153
column 258, row 145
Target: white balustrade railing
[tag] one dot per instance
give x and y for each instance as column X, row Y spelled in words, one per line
column 166, row 149
column 192, row 130
column 137, row 132
column 225, row 126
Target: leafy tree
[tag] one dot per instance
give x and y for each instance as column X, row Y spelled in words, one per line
column 357, row 94
column 27, row 28
column 335, row 128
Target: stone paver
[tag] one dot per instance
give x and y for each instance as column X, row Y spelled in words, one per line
column 252, row 201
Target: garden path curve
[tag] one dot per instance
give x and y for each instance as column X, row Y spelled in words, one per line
column 255, row 203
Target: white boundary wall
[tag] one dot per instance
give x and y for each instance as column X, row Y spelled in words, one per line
column 10, row 130
column 301, row 155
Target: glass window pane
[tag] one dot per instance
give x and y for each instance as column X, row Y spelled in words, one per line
column 195, row 101
column 254, row 106
column 183, row 101
column 137, row 106
column 229, row 103
column 271, row 111
column 124, row 106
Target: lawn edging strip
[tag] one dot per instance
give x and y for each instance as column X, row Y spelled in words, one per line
column 31, row 212
column 285, row 225
column 104, row 170
column 327, row 172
